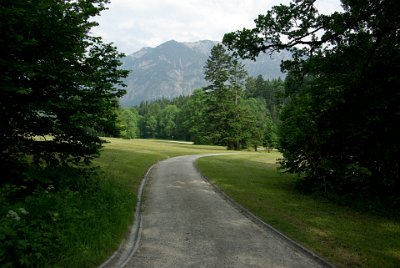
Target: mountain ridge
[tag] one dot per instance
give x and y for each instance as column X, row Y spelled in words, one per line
column 177, row 68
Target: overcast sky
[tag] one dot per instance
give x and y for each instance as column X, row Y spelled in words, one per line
column 134, row 24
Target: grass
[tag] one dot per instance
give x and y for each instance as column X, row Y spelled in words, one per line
column 342, row 235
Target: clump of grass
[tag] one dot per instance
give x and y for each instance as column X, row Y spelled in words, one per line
column 345, row 236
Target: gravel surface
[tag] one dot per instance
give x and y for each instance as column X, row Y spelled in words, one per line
column 185, row 223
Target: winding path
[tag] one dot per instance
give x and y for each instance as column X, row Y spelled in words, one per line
column 186, row 223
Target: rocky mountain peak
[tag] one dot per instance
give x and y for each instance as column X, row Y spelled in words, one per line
column 174, row 68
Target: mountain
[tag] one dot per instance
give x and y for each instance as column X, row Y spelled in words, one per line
column 173, row 69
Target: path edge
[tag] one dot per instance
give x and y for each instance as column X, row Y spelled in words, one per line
column 260, row 222
column 131, row 241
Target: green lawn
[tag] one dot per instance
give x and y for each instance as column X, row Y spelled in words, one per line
column 343, row 236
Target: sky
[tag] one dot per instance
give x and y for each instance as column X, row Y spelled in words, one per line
column 133, row 24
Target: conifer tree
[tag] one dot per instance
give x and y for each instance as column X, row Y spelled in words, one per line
column 59, row 86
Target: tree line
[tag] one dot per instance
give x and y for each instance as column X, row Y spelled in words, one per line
column 239, row 114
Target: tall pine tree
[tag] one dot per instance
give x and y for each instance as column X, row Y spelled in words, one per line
column 224, row 111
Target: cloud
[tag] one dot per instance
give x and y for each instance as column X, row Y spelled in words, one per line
column 133, row 24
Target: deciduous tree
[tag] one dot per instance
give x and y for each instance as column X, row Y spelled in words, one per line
column 128, row 123
column 341, row 128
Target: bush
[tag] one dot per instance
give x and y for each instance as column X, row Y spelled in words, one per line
column 51, row 225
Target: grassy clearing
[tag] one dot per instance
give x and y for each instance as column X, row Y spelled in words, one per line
column 344, row 236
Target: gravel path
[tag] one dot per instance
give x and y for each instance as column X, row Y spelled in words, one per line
column 185, row 223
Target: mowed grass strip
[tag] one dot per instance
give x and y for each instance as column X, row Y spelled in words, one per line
column 343, row 236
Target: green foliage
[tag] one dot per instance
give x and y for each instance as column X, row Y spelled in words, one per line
column 161, row 118
column 223, row 99
column 339, row 128
column 48, row 226
column 57, row 82
column 271, row 91
column 167, row 121
column 59, row 90
column 194, row 115
column 272, row 94
column 223, row 113
column 150, row 126
column 128, row 123
column 259, row 123
column 198, row 117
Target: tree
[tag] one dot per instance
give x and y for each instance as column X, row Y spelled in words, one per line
column 340, row 128
column 128, row 123
column 226, row 76
column 167, row 122
column 58, row 82
column 149, row 126
column 194, row 117
column 258, row 123
column 272, row 91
